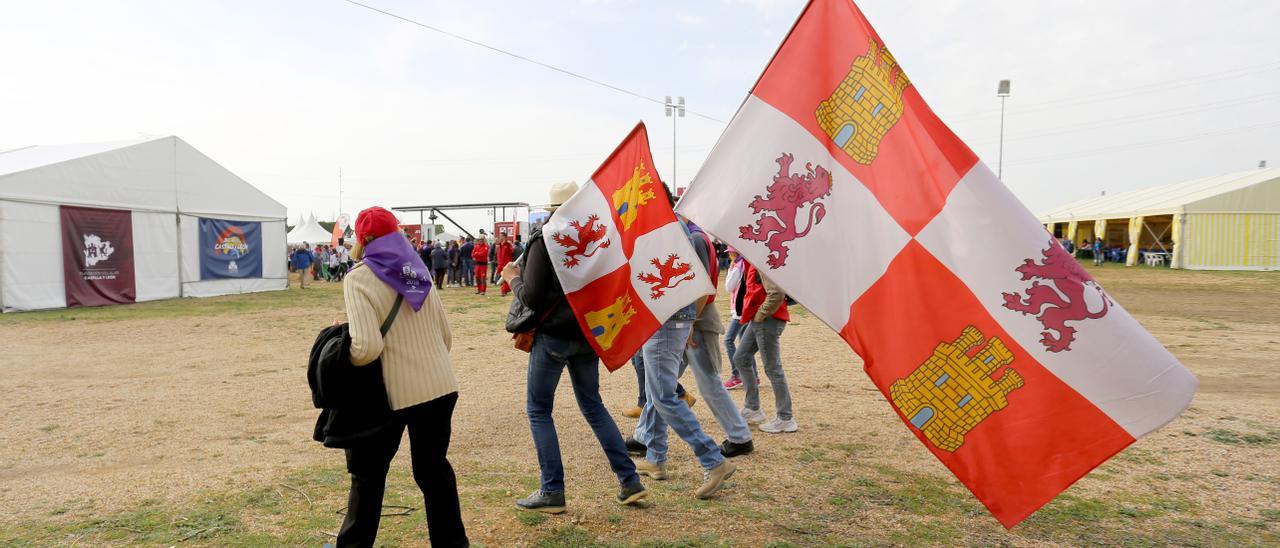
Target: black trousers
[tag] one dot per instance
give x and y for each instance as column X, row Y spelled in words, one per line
column 429, row 427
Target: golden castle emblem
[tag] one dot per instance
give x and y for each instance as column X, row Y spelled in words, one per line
column 606, row 324
column 952, row 391
column 866, row 104
column 629, row 198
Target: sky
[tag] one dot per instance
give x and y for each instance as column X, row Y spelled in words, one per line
column 1106, row 96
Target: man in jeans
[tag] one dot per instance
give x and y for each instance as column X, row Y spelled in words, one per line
column 703, row 356
column 559, row 345
column 766, row 310
column 663, row 358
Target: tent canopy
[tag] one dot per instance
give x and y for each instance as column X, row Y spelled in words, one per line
column 1256, row 191
column 158, row 175
column 309, row 232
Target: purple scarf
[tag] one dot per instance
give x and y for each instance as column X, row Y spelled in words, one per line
column 393, row 261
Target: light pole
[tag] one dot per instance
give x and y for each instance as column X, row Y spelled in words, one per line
column 678, row 109
column 1002, row 91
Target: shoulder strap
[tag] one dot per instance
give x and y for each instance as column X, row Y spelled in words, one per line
column 391, row 318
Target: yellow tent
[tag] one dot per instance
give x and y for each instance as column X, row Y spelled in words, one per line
column 1228, row 222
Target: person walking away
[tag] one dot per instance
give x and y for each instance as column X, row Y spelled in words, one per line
column 1098, row 257
column 334, row 274
column 419, row 378
column 506, row 252
column 663, row 357
column 455, row 263
column 481, row 256
column 468, row 263
column 493, row 261
column 560, row 346
column 766, row 312
column 702, row 355
column 302, row 260
column 737, row 289
column 439, row 263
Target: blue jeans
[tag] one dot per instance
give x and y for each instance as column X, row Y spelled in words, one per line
column 704, row 360
column 763, row 337
column 663, row 357
column 637, row 361
column 550, row 356
column 468, row 271
column 731, row 338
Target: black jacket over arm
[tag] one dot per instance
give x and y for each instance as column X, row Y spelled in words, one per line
column 353, row 399
column 538, row 288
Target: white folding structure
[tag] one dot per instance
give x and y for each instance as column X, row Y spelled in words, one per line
column 310, row 232
column 165, row 183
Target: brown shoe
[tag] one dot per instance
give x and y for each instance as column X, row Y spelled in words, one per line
column 655, row 470
column 689, row 399
column 714, row 478
column 632, row 413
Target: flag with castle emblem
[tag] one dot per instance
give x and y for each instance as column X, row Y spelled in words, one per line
column 624, row 261
column 996, row 349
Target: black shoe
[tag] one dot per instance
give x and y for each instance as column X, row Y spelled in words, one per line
column 636, row 448
column 631, row 494
column 542, row 501
column 730, row 449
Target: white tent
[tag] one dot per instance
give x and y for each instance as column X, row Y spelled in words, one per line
column 1227, row 222
column 309, row 231
column 167, row 187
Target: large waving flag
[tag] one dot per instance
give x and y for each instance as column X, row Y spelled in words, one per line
column 995, row 347
column 624, row 260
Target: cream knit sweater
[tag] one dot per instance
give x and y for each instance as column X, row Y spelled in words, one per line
column 415, row 353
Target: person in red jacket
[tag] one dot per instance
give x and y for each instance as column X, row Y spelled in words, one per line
column 764, row 313
column 506, row 254
column 481, row 255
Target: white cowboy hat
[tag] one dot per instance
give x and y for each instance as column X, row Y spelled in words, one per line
column 560, row 193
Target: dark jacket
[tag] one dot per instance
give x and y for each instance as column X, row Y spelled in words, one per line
column 466, row 251
column 439, row 258
column 539, row 288
column 353, row 399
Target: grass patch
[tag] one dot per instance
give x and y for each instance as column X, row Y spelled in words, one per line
column 531, row 519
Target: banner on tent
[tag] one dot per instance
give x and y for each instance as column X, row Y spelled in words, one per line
column 230, row 249
column 97, row 256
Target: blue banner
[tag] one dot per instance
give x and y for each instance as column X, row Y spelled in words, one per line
column 230, row 249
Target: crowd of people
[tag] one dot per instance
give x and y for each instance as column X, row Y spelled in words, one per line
column 321, row 262
column 422, row 389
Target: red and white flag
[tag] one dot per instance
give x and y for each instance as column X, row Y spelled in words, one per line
column 995, row 347
column 624, row 261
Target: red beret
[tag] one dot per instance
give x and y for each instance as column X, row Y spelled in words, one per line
column 374, row 223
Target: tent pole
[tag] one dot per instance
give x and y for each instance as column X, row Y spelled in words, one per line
column 177, row 217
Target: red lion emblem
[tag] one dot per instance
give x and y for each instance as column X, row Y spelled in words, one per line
column 667, row 272
column 1063, row 302
column 788, row 193
column 578, row 247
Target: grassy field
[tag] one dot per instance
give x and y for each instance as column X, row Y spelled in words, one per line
column 188, row 422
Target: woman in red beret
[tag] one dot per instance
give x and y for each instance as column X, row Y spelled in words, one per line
column 418, row 375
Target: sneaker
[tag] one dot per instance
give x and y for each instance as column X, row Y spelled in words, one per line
column 713, row 479
column 542, row 501
column 778, row 425
column 689, row 399
column 655, row 470
column 632, row 412
column 730, row 449
column 631, row 494
column 636, row 448
column 733, row 383
column 753, row 416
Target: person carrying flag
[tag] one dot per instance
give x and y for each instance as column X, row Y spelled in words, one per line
column 560, row 345
column 765, row 316
column 663, row 356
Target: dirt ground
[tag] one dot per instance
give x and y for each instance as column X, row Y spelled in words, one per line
column 178, row 404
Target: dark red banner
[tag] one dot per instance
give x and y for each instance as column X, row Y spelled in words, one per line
column 97, row 256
